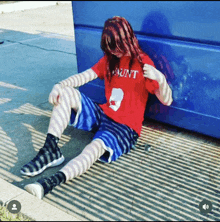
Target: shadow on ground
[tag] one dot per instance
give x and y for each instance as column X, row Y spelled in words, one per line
column 166, row 182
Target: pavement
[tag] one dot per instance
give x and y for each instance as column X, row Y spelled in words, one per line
column 164, row 183
column 38, row 50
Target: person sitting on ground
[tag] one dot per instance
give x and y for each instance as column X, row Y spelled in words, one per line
column 129, row 75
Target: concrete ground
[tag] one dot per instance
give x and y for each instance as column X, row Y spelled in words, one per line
column 165, row 183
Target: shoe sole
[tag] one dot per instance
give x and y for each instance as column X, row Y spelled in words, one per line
column 35, row 189
column 52, row 164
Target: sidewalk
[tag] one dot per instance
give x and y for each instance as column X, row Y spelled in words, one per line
column 166, row 183
column 24, row 55
column 13, row 6
column 32, row 207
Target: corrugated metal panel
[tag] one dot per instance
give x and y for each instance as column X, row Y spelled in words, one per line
column 198, row 20
column 182, row 38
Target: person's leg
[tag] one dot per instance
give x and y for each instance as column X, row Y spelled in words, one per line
column 75, row 167
column 50, row 155
column 71, row 99
column 79, row 165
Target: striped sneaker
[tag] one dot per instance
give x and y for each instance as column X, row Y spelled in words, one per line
column 48, row 156
column 45, row 185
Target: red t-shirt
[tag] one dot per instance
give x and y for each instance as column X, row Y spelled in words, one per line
column 127, row 93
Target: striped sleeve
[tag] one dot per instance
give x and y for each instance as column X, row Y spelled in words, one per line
column 79, row 79
column 100, row 67
column 164, row 92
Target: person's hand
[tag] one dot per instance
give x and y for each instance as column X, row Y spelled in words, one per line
column 55, row 95
column 150, row 73
column 164, row 92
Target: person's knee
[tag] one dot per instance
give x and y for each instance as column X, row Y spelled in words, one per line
column 72, row 96
column 70, row 91
column 94, row 149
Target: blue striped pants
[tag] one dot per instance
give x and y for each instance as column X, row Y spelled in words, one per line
column 118, row 138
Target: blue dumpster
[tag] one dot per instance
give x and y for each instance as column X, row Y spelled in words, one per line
column 183, row 40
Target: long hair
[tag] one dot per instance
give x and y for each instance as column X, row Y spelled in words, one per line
column 118, row 37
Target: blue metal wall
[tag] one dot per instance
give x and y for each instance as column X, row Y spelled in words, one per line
column 183, row 40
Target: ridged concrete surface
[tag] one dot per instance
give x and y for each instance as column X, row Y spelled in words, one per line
column 165, row 183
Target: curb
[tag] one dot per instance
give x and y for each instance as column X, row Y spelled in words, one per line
column 24, row 5
column 31, row 206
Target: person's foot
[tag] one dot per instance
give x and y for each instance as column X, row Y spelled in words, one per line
column 45, row 185
column 41, row 162
column 48, row 156
column 35, row 189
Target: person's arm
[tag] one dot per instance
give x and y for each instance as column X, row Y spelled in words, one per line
column 164, row 92
column 79, row 79
column 73, row 81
